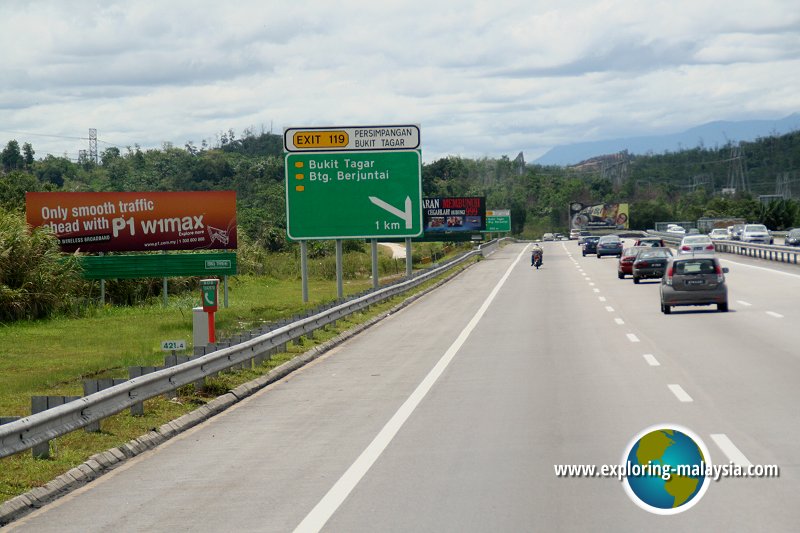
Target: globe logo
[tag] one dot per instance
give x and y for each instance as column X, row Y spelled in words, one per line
column 666, row 467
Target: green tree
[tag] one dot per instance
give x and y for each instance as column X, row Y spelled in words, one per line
column 11, row 158
column 27, row 153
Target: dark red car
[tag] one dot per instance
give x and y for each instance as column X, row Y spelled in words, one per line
column 625, row 266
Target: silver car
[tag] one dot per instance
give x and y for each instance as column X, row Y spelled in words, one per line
column 756, row 233
column 693, row 244
column 694, row 279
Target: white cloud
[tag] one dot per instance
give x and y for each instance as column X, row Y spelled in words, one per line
column 482, row 78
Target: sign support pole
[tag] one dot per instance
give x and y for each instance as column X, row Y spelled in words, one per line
column 408, row 258
column 339, row 286
column 225, row 287
column 102, row 288
column 164, row 285
column 304, row 269
column 374, row 245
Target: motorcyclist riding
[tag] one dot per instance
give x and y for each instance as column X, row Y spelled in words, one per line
column 536, row 255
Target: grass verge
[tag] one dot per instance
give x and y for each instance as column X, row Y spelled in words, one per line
column 253, row 300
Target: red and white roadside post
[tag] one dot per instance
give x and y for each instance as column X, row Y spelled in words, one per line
column 210, row 296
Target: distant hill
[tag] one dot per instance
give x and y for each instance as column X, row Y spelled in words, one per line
column 710, row 135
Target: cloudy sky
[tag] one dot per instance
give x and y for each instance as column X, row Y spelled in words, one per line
column 481, row 78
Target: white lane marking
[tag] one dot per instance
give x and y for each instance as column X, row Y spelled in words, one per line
column 591, row 284
column 601, row 298
column 596, row 290
column 632, row 337
column 588, row 278
column 609, row 309
column 742, row 302
column 774, row 314
column 619, row 321
column 681, row 394
column 651, row 360
column 321, row 513
column 729, row 449
column 762, row 268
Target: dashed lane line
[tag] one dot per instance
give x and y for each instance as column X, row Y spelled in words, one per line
column 679, row 393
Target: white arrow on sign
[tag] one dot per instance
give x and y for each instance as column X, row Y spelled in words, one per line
column 405, row 215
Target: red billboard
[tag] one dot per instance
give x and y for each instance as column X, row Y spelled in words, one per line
column 136, row 221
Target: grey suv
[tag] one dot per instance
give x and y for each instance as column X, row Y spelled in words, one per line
column 694, row 279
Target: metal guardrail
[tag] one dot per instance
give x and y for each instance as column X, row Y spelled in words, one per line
column 29, row 431
column 770, row 252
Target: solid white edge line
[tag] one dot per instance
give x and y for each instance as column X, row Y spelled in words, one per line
column 730, row 450
column 679, row 393
column 742, row 302
column 651, row 360
column 321, row 513
column 632, row 337
column 762, row 268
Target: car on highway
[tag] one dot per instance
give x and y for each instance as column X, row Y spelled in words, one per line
column 589, row 245
column 674, row 228
column 736, row 232
column 548, row 237
column 574, row 234
column 692, row 244
column 625, row 265
column 652, row 242
column 793, row 237
column 718, row 234
column 609, row 245
column 582, row 235
column 693, row 279
column 756, row 233
column 650, row 263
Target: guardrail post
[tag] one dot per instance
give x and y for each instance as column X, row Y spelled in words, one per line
column 43, row 403
column 90, row 386
column 137, row 409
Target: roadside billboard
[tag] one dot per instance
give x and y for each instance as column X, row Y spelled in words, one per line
column 598, row 216
column 136, row 221
column 454, row 215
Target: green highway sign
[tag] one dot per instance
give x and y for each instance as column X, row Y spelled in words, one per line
column 498, row 220
column 348, row 195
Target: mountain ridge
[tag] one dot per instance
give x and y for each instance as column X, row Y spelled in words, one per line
column 715, row 133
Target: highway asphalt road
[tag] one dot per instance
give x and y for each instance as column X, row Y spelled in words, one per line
column 451, row 414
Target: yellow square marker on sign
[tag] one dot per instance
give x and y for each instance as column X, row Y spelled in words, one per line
column 298, row 164
column 299, row 176
column 299, row 188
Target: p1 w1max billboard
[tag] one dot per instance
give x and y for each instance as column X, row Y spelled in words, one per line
column 136, row 221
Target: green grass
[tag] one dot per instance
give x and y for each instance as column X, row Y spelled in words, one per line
column 52, row 357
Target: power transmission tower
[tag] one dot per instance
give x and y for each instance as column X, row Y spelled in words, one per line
column 782, row 186
column 616, row 167
column 704, row 181
column 519, row 161
column 737, row 179
column 93, row 145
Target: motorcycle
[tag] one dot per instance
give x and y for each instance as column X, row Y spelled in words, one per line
column 537, row 260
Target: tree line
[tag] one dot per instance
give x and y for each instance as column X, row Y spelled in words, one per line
column 658, row 187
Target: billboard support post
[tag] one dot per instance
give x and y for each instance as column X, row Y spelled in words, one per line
column 409, row 260
column 102, row 290
column 374, row 246
column 164, row 285
column 339, row 286
column 304, row 269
